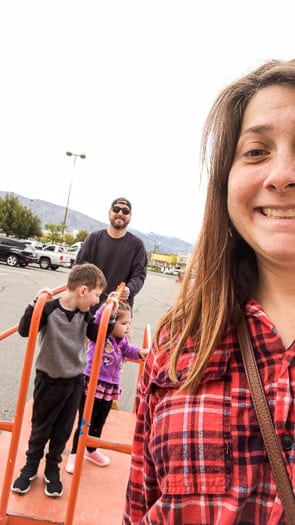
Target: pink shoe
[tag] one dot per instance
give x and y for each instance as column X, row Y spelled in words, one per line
column 71, row 463
column 97, row 457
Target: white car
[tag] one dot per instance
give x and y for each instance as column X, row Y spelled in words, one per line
column 50, row 256
column 35, row 244
column 172, row 271
column 73, row 250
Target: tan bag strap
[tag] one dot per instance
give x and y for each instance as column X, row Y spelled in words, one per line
column 270, row 438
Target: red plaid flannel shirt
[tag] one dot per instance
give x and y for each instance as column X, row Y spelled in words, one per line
column 199, row 459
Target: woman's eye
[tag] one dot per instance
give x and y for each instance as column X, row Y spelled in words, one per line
column 255, row 153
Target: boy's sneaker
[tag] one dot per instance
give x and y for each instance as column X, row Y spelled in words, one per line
column 22, row 484
column 71, row 463
column 97, row 457
column 53, row 485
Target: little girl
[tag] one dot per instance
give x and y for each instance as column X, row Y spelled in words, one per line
column 117, row 347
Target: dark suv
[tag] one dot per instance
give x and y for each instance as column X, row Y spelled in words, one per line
column 15, row 252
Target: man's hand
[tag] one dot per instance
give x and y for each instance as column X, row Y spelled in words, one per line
column 125, row 294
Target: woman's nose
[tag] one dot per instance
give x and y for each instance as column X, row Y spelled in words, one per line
column 281, row 173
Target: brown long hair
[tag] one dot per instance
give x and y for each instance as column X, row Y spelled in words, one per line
column 223, row 265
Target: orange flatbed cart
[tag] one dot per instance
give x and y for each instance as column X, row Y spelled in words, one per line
column 92, row 495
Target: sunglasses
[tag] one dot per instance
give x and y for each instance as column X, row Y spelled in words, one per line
column 117, row 209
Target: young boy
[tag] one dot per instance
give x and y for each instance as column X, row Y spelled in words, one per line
column 64, row 325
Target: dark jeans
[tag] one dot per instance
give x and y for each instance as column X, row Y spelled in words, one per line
column 55, row 405
column 100, row 412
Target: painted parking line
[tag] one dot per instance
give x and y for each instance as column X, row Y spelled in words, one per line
column 8, row 273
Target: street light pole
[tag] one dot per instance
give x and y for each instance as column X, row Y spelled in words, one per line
column 156, row 244
column 75, row 155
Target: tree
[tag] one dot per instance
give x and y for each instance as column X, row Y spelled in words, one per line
column 17, row 220
column 68, row 239
column 81, row 236
column 55, row 232
column 173, row 260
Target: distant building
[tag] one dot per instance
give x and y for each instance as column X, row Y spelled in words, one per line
column 171, row 260
column 183, row 259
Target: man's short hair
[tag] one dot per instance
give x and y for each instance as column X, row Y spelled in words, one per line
column 121, row 200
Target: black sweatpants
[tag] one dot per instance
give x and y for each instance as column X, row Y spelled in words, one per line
column 55, row 405
column 100, row 412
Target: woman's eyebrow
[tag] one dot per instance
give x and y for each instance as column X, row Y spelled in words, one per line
column 257, row 129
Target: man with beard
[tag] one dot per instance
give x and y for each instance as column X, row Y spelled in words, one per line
column 119, row 254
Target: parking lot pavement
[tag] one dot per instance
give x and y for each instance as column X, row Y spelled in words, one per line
column 18, row 286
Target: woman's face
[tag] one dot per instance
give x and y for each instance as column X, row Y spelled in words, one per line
column 261, row 184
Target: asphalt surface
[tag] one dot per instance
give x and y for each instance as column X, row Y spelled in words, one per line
column 18, row 286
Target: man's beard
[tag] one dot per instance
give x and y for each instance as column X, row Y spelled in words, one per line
column 119, row 226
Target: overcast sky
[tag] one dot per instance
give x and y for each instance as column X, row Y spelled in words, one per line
column 128, row 83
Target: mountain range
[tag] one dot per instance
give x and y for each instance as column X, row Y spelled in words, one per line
column 50, row 213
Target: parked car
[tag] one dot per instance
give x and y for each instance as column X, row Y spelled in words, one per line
column 73, row 250
column 171, row 271
column 37, row 245
column 53, row 256
column 15, row 252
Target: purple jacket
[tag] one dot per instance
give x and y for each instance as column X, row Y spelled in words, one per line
column 114, row 352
